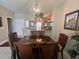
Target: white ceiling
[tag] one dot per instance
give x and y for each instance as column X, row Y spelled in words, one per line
column 26, row 6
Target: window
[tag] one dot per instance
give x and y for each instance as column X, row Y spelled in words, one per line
column 19, row 26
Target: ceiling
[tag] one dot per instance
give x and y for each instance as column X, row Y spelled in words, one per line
column 26, row 6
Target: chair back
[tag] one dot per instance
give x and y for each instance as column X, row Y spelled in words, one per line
column 12, row 38
column 24, row 50
column 49, row 50
column 62, row 40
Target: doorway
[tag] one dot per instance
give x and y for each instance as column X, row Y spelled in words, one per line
column 10, row 25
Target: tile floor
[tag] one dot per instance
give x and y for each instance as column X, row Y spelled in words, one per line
column 5, row 53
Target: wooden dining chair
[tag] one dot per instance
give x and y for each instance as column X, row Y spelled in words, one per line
column 62, row 42
column 24, row 51
column 13, row 38
column 49, row 50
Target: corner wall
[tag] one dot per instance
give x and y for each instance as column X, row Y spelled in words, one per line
column 5, row 13
column 58, row 23
column 56, row 27
column 59, row 14
column 69, row 6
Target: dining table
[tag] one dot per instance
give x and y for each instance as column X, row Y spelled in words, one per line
column 36, row 42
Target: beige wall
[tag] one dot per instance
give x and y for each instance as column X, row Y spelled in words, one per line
column 56, row 27
column 69, row 6
column 4, row 13
column 59, row 14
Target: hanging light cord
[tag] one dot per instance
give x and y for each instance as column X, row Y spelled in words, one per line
column 36, row 4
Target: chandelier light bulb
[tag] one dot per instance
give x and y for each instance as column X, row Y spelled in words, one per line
column 36, row 10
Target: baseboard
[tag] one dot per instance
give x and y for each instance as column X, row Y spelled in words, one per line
column 1, row 43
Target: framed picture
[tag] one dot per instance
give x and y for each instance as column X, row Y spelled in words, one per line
column 71, row 20
column 48, row 26
column 0, row 21
column 31, row 23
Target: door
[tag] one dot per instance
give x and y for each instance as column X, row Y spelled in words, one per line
column 10, row 26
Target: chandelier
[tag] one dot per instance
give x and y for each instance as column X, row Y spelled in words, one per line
column 36, row 9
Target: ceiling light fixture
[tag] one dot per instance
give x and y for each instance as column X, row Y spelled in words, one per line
column 36, row 9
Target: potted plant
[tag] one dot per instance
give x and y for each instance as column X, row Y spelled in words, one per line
column 76, row 37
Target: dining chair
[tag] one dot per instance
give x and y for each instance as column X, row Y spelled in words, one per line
column 13, row 38
column 24, row 51
column 62, row 42
column 49, row 50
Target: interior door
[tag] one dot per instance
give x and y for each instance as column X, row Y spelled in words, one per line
column 10, row 26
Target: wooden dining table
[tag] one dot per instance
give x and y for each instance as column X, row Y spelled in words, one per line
column 36, row 42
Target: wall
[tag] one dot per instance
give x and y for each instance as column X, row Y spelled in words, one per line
column 5, row 13
column 69, row 6
column 19, row 23
column 56, row 27
column 59, row 14
column 19, row 26
column 58, row 23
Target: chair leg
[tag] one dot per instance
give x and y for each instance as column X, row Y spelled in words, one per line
column 13, row 55
column 17, row 54
column 56, row 56
column 62, row 54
